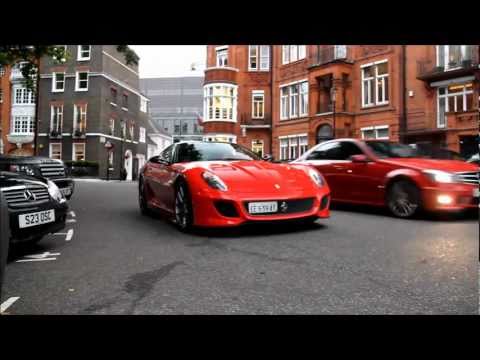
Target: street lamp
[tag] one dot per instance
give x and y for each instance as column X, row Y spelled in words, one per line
column 333, row 95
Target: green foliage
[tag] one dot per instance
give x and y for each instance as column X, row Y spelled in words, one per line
column 85, row 163
column 29, row 56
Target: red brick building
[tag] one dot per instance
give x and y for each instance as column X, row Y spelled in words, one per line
column 284, row 99
column 5, row 101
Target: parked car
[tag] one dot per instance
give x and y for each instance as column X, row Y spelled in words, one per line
column 209, row 184
column 36, row 206
column 383, row 173
column 436, row 152
column 38, row 166
column 474, row 159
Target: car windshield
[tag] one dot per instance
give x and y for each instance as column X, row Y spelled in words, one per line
column 210, row 151
column 387, row 149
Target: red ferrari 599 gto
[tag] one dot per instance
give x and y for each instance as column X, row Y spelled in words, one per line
column 209, row 184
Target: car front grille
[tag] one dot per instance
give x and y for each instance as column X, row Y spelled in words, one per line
column 292, row 206
column 17, row 196
column 467, row 177
column 49, row 170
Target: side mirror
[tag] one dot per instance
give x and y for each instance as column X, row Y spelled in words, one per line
column 361, row 158
column 267, row 157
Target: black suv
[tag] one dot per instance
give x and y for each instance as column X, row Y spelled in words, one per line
column 38, row 166
column 36, row 206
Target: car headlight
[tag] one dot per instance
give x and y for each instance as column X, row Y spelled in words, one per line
column 55, row 192
column 316, row 177
column 27, row 169
column 439, row 176
column 214, row 181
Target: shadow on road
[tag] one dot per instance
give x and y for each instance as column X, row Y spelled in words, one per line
column 472, row 214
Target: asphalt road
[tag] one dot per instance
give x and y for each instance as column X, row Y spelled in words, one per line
column 360, row 261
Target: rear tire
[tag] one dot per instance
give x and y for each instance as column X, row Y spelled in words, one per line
column 403, row 199
column 183, row 208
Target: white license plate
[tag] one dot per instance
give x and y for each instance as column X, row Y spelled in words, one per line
column 262, row 207
column 66, row 191
column 476, row 192
column 37, row 218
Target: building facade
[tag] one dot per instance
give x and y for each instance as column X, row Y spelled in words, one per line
column 17, row 113
column 311, row 93
column 176, row 105
column 90, row 99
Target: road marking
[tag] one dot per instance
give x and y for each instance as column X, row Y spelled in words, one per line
column 59, row 234
column 71, row 221
column 72, row 214
column 42, row 256
column 29, row 260
column 6, row 304
column 69, row 235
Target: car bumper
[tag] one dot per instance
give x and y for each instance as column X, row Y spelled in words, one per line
column 207, row 212
column 66, row 185
column 19, row 235
column 450, row 197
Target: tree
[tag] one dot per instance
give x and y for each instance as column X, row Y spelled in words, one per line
column 29, row 56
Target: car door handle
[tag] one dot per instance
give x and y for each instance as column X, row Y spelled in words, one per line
column 338, row 167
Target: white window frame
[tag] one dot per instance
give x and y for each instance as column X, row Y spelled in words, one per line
column 262, row 57
column 373, row 82
column 77, row 80
column 83, row 112
column 446, row 55
column 302, row 144
column 55, row 89
column 256, row 93
column 50, row 152
column 111, row 128
column 221, row 57
column 463, row 94
column 290, row 105
column 256, row 56
column 142, row 135
column 375, row 132
column 26, row 96
column 52, row 115
column 283, row 142
column 22, row 120
column 79, row 53
column 293, row 53
column 74, row 153
column 224, row 114
column 143, row 105
column 213, row 137
column 254, row 142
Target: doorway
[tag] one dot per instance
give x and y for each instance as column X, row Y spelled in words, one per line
column 257, row 147
column 324, row 133
column 129, row 164
column 469, row 145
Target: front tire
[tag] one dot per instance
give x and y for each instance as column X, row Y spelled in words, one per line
column 403, row 199
column 183, row 208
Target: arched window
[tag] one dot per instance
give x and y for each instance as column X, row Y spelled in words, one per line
column 324, row 133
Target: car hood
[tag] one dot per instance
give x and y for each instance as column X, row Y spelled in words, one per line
column 432, row 164
column 260, row 176
column 8, row 179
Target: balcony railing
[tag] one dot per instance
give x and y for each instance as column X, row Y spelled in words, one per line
column 321, row 54
column 458, row 64
column 55, row 133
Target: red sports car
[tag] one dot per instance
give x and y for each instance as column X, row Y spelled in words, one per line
column 211, row 184
column 383, row 173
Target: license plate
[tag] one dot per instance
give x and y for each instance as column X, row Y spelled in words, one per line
column 37, row 218
column 476, row 192
column 262, row 207
column 66, row 191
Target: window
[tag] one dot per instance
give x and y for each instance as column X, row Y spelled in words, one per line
column 2, row 70
column 375, row 84
column 125, row 101
column 110, row 160
column 294, row 100
column 81, row 81
column 185, row 128
column 303, row 143
column 453, row 98
column 56, row 119
column 375, row 132
column 451, row 57
column 176, row 129
column 111, row 127
column 55, row 151
column 166, row 154
column 222, row 57
column 258, row 57
column 142, row 135
column 292, row 53
column 220, row 102
column 79, row 118
column 329, row 151
column 123, row 127
column 24, row 96
column 349, row 149
column 292, row 147
column 78, row 153
column 58, row 82
column 132, row 130
column 22, row 125
column 258, row 104
column 284, row 149
column 143, row 104
column 113, row 95
column 1, row 96
column 227, row 138
column 84, row 52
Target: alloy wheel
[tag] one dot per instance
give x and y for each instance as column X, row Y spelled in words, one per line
column 403, row 199
column 181, row 207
